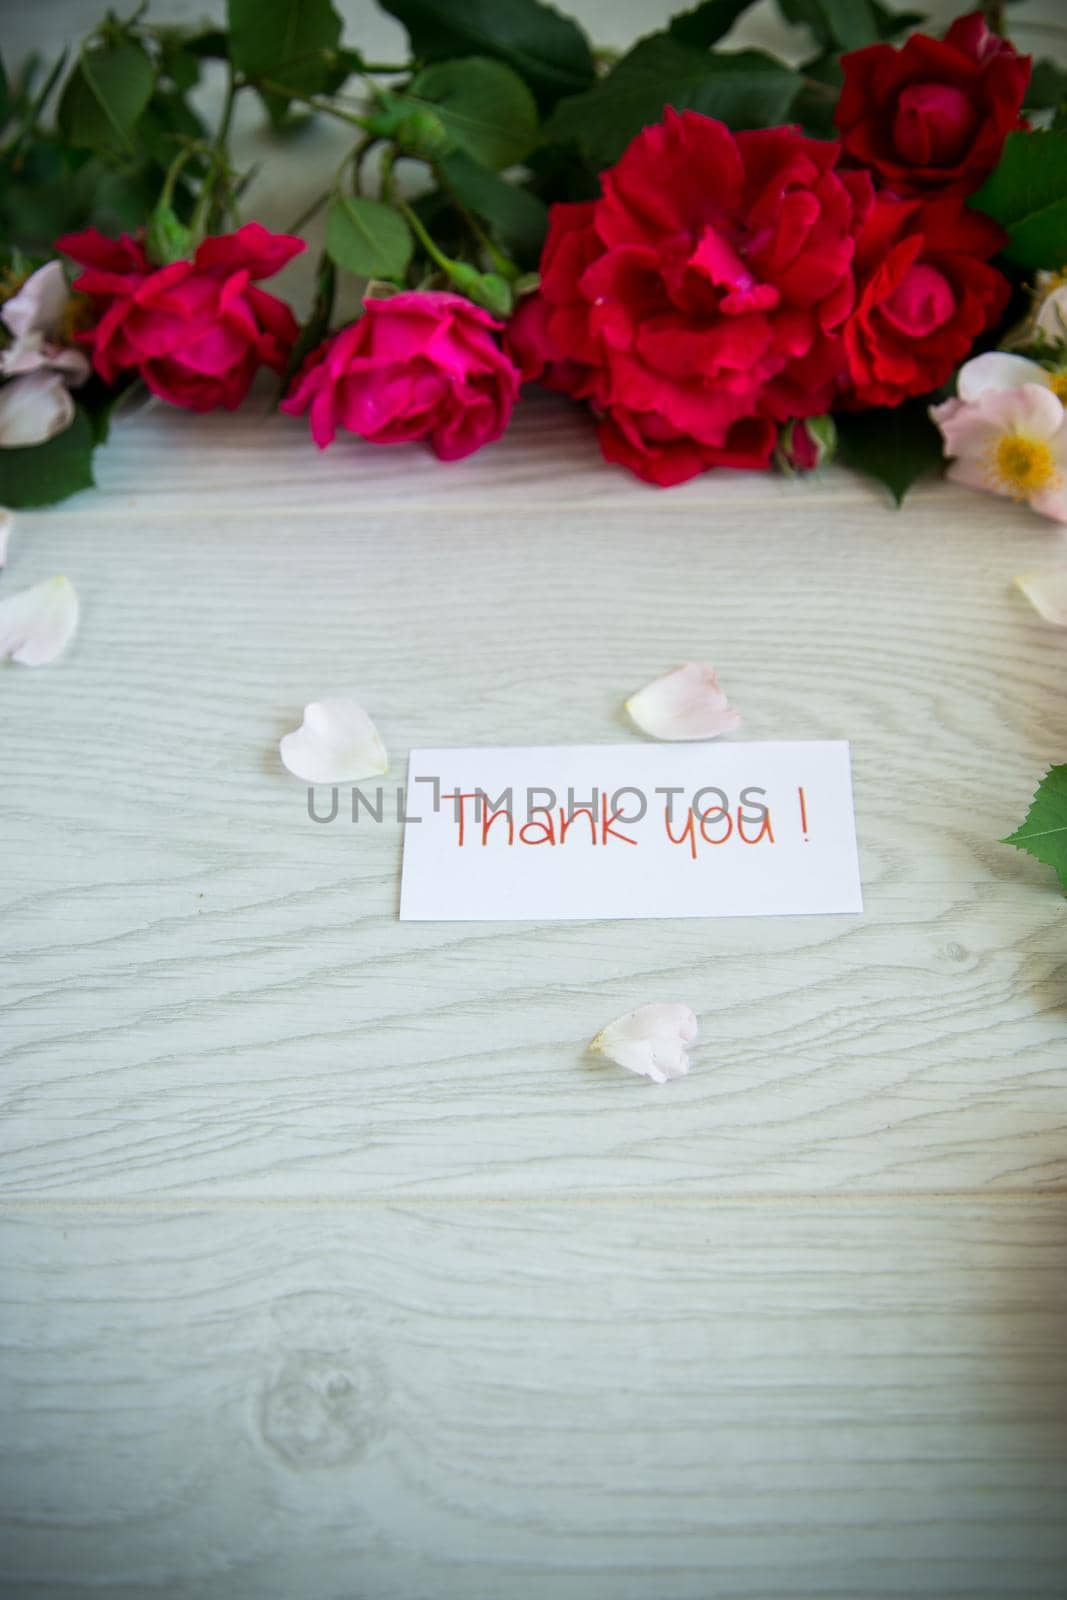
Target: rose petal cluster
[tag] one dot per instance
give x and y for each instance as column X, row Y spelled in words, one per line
column 931, row 118
column 414, row 366
column 925, row 291
column 701, row 300
column 196, row 331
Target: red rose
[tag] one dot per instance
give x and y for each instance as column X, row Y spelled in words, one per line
column 415, row 366
column 196, row 331
column 700, row 300
column 931, row 118
column 925, row 291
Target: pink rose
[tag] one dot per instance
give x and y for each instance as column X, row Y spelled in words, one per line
column 415, row 366
column 196, row 331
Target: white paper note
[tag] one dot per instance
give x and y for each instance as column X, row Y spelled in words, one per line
column 604, row 831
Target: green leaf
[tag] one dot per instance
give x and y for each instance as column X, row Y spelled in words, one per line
column 1047, row 88
column 289, row 42
column 845, row 24
column 5, row 95
column 41, row 474
column 891, row 24
column 745, row 89
column 1027, row 194
column 1044, row 833
column 707, row 23
column 894, row 447
column 517, row 219
column 368, row 238
column 486, row 108
column 548, row 51
column 104, row 97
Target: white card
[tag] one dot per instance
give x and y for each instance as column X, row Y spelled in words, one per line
column 594, row 832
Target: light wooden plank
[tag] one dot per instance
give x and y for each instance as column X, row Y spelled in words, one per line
column 207, row 993
column 856, row 1400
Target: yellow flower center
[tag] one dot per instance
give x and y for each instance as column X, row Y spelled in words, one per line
column 1057, row 382
column 1023, row 466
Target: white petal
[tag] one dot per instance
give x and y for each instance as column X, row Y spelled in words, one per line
column 652, row 1041
column 40, row 303
column 1051, row 319
column 33, row 409
column 336, row 743
column 684, row 704
column 997, row 370
column 37, row 624
column 7, row 522
column 1047, row 593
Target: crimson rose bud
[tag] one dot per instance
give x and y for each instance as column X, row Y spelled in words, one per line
column 805, row 445
column 931, row 118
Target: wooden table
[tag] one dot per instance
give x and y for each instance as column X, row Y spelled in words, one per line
column 332, row 1268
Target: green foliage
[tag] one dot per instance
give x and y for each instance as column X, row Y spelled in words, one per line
column 485, row 109
column 286, row 44
column 1027, row 195
column 39, row 475
column 706, row 24
column 1047, row 90
column 368, row 237
column 103, row 99
column 1044, row 833
column 838, row 24
column 516, row 218
column 894, row 447
column 548, row 51
column 745, row 89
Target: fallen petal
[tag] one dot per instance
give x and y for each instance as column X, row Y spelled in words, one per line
column 684, row 704
column 336, row 743
column 652, row 1041
column 7, row 522
column 1047, row 593
column 37, row 624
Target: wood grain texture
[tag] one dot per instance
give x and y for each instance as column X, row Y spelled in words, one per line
column 864, row 1400
column 209, row 994
column 329, row 1266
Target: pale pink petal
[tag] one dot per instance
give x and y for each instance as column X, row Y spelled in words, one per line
column 37, row 624
column 39, row 305
column 965, row 428
column 336, row 743
column 1051, row 502
column 34, row 409
column 997, row 370
column 7, row 522
column 32, row 353
column 652, row 1041
column 1047, row 593
column 1031, row 410
column 684, row 704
